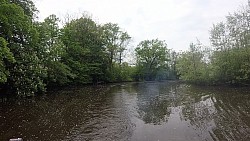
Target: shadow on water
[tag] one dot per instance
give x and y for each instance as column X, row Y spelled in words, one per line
column 130, row 111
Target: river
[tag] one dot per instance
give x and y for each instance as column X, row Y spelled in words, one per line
column 146, row 111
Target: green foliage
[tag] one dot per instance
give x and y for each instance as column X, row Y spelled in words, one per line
column 5, row 56
column 51, row 51
column 172, row 73
column 17, row 30
column 39, row 54
column 28, row 7
column 115, row 42
column 228, row 61
column 232, row 66
column 152, row 57
column 85, row 50
column 122, row 73
column 192, row 65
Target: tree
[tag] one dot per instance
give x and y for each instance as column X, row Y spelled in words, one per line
column 124, row 41
column 52, row 50
column 28, row 7
column 172, row 64
column 17, row 29
column 116, row 42
column 5, row 56
column 85, row 50
column 192, row 65
column 230, row 60
column 152, row 57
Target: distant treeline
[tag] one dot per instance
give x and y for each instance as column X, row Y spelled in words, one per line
column 36, row 55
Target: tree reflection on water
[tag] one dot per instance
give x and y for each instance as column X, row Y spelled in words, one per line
column 218, row 113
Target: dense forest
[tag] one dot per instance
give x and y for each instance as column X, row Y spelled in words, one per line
column 36, row 55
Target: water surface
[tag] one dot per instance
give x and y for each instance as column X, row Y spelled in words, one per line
column 151, row 111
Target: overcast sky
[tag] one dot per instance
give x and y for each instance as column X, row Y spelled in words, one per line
column 178, row 22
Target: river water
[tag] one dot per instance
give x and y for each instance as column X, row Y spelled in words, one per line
column 150, row 111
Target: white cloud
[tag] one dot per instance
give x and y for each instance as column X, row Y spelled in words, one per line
column 176, row 21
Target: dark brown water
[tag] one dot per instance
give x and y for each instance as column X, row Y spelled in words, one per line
column 153, row 111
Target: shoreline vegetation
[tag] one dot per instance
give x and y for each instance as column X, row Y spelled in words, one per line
column 37, row 55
